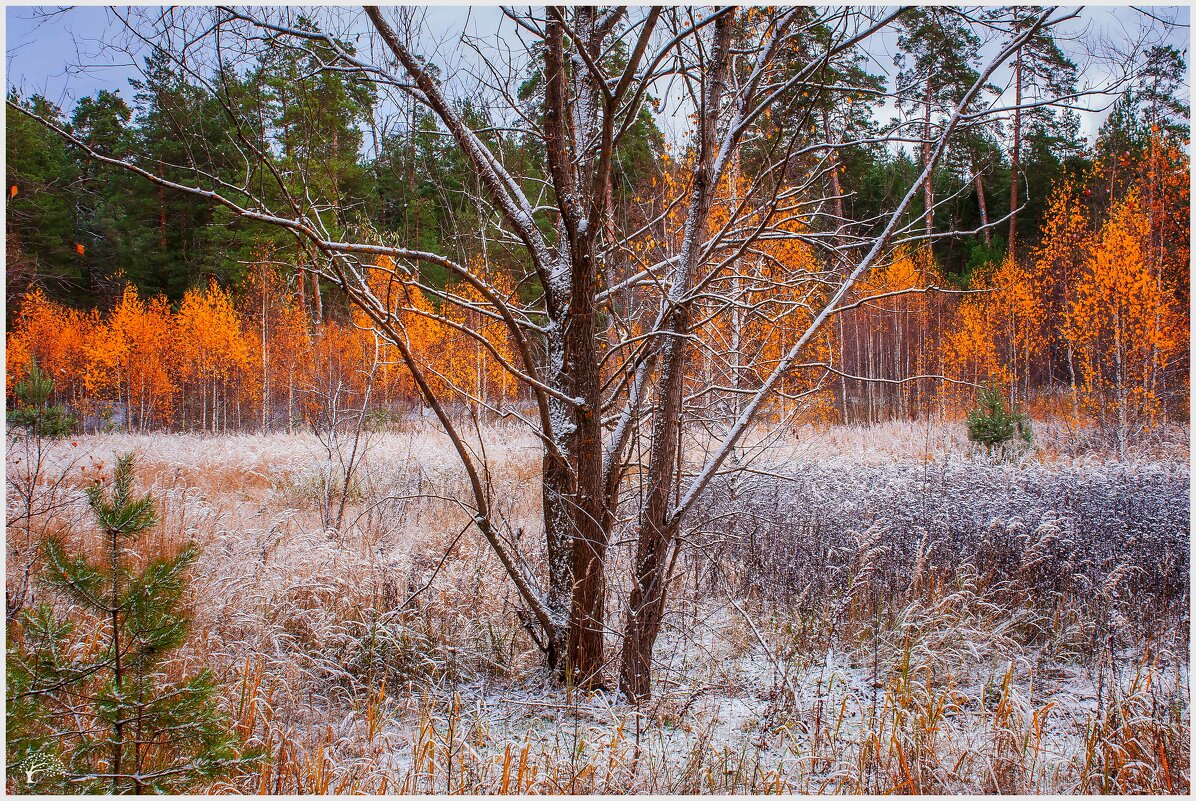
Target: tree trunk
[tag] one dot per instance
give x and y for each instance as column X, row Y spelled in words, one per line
column 656, row 530
column 928, row 184
column 301, row 279
column 836, row 184
column 317, row 299
column 265, row 357
column 558, row 535
column 577, row 428
column 1015, row 154
column 161, row 210
column 588, row 620
column 841, row 255
column 988, row 237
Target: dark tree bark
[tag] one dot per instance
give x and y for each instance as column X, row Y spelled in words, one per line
column 928, row 184
column 983, row 202
column 1015, row 159
column 580, row 489
column 656, row 531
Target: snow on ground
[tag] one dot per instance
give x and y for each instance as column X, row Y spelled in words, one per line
column 847, row 623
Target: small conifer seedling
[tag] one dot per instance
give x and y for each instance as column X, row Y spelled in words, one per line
column 34, row 412
column 994, row 424
column 96, row 693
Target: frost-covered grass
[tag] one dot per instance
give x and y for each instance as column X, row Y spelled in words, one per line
column 867, row 610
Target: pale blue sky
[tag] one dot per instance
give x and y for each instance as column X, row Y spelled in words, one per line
column 60, row 53
column 45, row 48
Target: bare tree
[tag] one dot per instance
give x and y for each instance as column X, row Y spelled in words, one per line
column 338, row 411
column 606, row 332
column 37, row 491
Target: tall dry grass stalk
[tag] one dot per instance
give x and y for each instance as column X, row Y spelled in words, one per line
column 875, row 611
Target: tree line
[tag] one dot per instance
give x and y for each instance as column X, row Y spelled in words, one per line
column 249, row 361
column 1090, row 323
column 80, row 230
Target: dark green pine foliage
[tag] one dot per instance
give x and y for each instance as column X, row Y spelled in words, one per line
column 935, row 73
column 833, row 113
column 40, row 217
column 394, row 175
column 98, row 692
column 1043, row 138
column 173, row 241
column 1154, row 105
column 101, row 222
column 935, row 60
column 34, row 412
column 1163, row 82
column 994, row 425
column 315, row 119
column 424, row 183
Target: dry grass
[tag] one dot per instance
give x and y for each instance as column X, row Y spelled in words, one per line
column 387, row 656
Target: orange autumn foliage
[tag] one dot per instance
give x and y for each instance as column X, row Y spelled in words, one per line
column 279, row 344
column 474, row 345
column 754, row 309
column 337, row 382
column 1165, row 192
column 459, row 341
column 996, row 336
column 212, row 355
column 57, row 336
column 1091, row 324
column 1124, row 326
column 893, row 335
column 130, row 360
column 1056, row 265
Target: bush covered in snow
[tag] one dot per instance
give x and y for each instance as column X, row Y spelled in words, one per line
column 1114, row 536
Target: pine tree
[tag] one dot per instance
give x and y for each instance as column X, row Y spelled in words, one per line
column 935, row 64
column 1040, row 70
column 95, row 692
column 994, row 425
column 35, row 413
column 40, row 217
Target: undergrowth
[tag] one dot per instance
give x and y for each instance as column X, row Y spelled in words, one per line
column 905, row 618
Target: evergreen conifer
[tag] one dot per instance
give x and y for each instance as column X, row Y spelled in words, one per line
column 96, row 695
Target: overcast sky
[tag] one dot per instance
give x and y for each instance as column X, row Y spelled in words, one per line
column 61, row 54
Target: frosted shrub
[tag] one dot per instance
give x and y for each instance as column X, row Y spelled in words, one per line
column 1115, row 536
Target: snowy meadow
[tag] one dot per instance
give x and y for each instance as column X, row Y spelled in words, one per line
column 419, row 401
column 858, row 610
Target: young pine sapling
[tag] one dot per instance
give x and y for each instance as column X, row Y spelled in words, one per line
column 34, row 412
column 994, row 424
column 97, row 692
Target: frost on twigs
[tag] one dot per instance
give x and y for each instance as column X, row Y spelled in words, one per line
column 852, row 591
